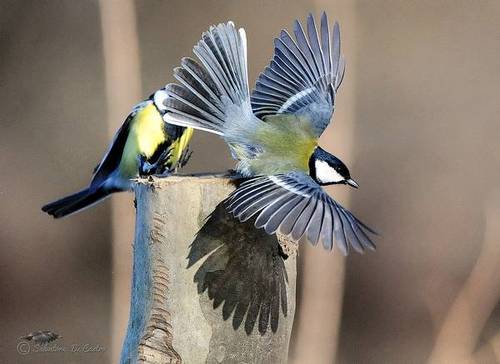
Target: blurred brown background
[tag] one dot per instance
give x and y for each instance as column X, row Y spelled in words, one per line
column 416, row 121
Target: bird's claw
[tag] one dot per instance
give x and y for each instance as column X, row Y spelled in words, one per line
column 145, row 168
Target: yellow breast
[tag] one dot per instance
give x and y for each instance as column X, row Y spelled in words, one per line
column 146, row 134
column 147, row 129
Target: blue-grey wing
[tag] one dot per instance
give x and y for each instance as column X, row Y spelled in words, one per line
column 303, row 76
column 295, row 205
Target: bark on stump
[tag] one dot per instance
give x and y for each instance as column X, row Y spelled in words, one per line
column 205, row 287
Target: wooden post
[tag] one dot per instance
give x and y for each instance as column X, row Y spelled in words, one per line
column 205, row 287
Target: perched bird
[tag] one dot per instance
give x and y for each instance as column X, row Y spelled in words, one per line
column 273, row 133
column 143, row 145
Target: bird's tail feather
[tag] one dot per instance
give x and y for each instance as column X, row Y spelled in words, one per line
column 211, row 93
column 75, row 202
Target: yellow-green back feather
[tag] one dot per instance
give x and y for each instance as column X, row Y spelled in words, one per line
column 287, row 143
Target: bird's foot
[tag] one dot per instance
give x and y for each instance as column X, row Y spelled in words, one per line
column 145, row 168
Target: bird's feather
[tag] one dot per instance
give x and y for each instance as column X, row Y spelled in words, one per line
column 294, row 204
column 213, row 96
column 113, row 155
column 303, row 76
column 76, row 202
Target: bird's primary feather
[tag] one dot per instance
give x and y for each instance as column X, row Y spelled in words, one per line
column 303, row 76
column 294, row 204
column 213, row 96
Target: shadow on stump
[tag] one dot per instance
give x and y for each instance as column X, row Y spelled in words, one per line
column 244, row 271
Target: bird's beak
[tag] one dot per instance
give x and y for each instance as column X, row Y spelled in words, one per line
column 352, row 183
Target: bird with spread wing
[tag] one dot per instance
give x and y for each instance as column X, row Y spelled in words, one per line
column 273, row 132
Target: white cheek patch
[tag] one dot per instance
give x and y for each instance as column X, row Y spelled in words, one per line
column 158, row 99
column 327, row 174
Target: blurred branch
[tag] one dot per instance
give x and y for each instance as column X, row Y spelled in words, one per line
column 123, row 90
column 320, row 297
column 120, row 43
column 461, row 330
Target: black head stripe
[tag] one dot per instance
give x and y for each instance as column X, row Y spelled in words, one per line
column 312, row 165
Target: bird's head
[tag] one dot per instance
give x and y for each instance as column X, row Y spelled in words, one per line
column 158, row 99
column 326, row 169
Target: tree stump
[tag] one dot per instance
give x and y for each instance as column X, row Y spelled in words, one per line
column 205, row 287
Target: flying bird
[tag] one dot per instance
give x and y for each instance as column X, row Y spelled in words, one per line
column 273, row 132
column 143, row 145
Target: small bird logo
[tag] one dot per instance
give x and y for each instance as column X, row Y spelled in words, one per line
column 143, row 145
column 41, row 337
column 273, row 132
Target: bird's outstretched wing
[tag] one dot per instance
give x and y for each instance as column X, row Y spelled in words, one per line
column 294, row 204
column 213, row 94
column 303, row 76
